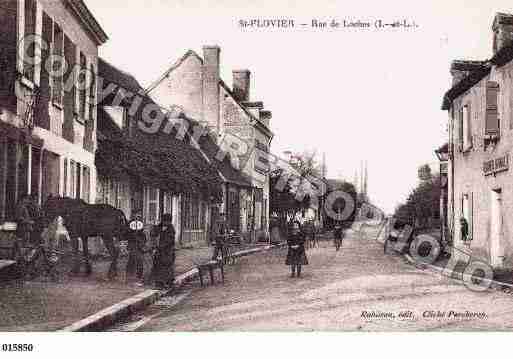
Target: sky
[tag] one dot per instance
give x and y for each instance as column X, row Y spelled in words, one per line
column 353, row 94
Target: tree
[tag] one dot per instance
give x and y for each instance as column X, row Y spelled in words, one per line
column 339, row 204
column 423, row 203
column 291, row 188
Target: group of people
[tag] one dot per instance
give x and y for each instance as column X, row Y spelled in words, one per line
column 163, row 267
column 28, row 211
column 163, row 235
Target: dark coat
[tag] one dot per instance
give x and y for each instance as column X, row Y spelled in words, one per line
column 136, row 240
column 164, row 260
column 296, row 255
column 23, row 220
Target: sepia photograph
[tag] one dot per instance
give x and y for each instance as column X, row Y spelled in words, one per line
column 259, row 167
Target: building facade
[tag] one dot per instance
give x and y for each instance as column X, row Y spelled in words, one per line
column 47, row 111
column 241, row 128
column 480, row 181
column 151, row 172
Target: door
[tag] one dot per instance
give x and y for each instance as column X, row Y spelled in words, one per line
column 51, row 175
column 496, row 255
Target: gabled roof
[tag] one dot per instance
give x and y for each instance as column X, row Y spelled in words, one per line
column 189, row 53
column 82, row 13
column 254, row 120
column 159, row 158
column 477, row 71
column 172, row 68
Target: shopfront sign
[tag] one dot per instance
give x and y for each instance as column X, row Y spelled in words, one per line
column 496, row 165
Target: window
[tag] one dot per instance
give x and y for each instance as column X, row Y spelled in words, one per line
column 65, row 189
column 82, row 91
column 10, row 179
column 92, row 93
column 466, row 128
column 58, row 52
column 151, row 205
column 168, row 203
column 492, row 122
column 50, row 175
column 70, row 76
column 30, row 30
column 264, row 214
column 86, row 184
column 72, row 179
column 193, row 213
column 35, row 171
column 233, row 218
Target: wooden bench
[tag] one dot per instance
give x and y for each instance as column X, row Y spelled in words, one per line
column 210, row 266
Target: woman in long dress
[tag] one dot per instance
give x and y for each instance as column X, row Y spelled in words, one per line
column 296, row 255
column 164, row 258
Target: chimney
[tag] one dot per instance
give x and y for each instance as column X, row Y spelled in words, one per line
column 211, row 87
column 241, row 84
column 502, row 31
column 463, row 68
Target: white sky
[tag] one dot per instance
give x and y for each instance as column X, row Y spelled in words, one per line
column 354, row 94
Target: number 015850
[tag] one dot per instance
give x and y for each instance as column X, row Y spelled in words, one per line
column 17, row 347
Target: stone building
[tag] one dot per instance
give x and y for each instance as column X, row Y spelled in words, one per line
column 480, row 182
column 241, row 125
column 47, row 118
column 151, row 172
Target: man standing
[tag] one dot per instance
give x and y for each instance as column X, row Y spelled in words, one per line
column 136, row 246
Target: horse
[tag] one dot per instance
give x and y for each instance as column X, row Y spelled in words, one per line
column 84, row 220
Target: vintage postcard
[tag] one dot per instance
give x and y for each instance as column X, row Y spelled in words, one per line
column 255, row 166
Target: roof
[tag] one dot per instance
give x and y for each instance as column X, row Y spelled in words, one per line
column 112, row 74
column 479, row 69
column 257, row 121
column 80, row 10
column 462, row 86
column 221, row 83
column 172, row 68
column 209, row 147
column 159, row 158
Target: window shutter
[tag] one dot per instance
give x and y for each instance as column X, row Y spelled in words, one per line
column 492, row 114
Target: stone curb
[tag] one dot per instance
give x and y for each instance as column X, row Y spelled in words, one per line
column 110, row 315
column 496, row 285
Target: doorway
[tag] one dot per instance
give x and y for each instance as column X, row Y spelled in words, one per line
column 496, row 255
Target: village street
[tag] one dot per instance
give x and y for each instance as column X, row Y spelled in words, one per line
column 337, row 291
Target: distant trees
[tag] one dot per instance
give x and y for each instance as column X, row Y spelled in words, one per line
column 423, row 203
column 339, row 204
column 291, row 188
